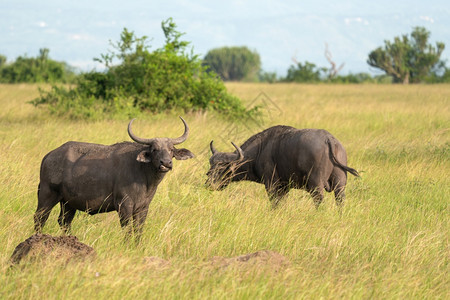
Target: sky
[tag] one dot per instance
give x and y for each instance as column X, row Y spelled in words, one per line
column 280, row 31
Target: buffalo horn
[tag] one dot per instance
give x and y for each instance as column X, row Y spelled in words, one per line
column 175, row 141
column 213, row 150
column 136, row 138
column 182, row 138
column 240, row 152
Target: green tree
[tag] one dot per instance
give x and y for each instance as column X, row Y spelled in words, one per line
column 234, row 63
column 408, row 58
column 269, row 77
column 307, row 72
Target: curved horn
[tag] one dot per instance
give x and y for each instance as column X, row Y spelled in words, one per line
column 136, row 138
column 240, row 152
column 182, row 138
column 213, row 149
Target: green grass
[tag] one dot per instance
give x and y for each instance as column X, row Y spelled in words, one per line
column 391, row 241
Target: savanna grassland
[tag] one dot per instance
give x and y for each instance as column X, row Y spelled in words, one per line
column 391, row 240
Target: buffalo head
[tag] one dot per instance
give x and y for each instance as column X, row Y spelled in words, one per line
column 223, row 167
column 160, row 151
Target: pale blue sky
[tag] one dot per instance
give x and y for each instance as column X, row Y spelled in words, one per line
column 78, row 31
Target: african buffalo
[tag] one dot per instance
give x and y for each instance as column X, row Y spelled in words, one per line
column 283, row 157
column 101, row 178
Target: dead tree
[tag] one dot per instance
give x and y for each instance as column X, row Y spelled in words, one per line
column 333, row 71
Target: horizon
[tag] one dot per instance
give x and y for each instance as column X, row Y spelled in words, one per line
column 351, row 29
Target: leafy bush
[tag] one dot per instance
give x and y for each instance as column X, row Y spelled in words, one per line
column 234, row 63
column 35, row 69
column 270, row 77
column 137, row 80
column 307, row 72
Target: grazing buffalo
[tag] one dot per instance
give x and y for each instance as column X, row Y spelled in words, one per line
column 283, row 157
column 101, row 178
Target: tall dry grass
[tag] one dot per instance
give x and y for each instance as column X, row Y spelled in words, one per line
column 391, row 240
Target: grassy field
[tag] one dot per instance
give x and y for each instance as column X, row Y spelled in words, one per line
column 391, row 241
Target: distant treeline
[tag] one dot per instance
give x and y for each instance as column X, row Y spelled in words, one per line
column 406, row 59
column 35, row 69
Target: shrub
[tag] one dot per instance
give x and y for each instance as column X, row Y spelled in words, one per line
column 35, row 69
column 234, row 63
column 137, row 80
column 307, row 72
column 270, row 77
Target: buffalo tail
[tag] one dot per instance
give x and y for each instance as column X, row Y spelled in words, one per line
column 337, row 163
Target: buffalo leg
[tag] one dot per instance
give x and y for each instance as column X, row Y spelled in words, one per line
column 47, row 199
column 339, row 195
column 125, row 215
column 316, row 191
column 139, row 217
column 276, row 193
column 338, row 180
column 125, row 218
column 317, row 195
column 66, row 216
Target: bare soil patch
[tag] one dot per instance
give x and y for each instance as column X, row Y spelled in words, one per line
column 262, row 258
column 40, row 246
column 156, row 262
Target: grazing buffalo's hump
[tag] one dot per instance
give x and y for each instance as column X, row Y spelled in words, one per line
column 98, row 178
column 283, row 157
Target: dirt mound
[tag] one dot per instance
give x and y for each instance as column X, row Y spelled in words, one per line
column 266, row 258
column 56, row 247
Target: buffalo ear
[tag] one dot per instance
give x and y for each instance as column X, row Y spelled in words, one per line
column 144, row 156
column 182, row 154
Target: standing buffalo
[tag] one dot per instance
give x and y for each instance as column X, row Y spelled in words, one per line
column 283, row 157
column 99, row 178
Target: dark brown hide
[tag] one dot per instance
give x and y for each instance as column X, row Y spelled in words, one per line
column 98, row 178
column 283, row 157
